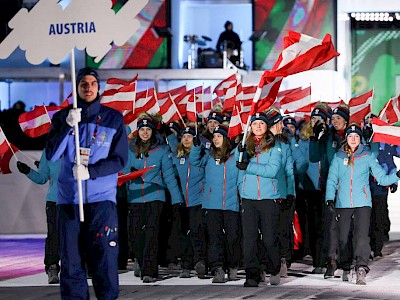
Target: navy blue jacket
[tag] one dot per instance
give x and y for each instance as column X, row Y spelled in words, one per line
column 102, row 130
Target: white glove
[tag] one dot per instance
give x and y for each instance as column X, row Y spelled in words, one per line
column 74, row 116
column 81, row 172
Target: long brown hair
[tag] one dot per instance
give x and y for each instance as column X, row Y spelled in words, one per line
column 267, row 142
column 224, row 152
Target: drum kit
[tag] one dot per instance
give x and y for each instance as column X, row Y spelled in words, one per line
column 199, row 57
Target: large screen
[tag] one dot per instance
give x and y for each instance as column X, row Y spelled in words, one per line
column 147, row 48
column 275, row 18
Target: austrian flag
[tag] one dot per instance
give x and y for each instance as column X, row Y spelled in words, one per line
column 38, row 121
column 3, row 142
column 385, row 133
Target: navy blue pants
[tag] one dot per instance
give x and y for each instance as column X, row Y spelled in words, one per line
column 51, row 256
column 96, row 240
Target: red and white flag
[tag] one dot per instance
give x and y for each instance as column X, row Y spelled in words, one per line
column 38, row 121
column 235, row 124
column 4, row 145
column 301, row 53
column 385, row 133
column 295, row 100
column 168, row 110
column 391, row 112
column 120, row 99
column 146, row 102
column 6, row 158
column 116, row 83
column 360, row 106
column 226, row 84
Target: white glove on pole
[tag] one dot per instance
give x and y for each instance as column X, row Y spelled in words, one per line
column 74, row 116
column 80, row 172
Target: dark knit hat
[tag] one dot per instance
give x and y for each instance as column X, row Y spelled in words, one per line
column 146, row 122
column 273, row 117
column 222, row 130
column 320, row 112
column 354, row 128
column 343, row 112
column 259, row 116
column 288, row 120
column 87, row 71
column 217, row 116
column 188, row 130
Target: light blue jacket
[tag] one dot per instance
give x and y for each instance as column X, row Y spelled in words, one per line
column 191, row 177
column 220, row 188
column 150, row 186
column 349, row 184
column 286, row 173
column 47, row 172
column 258, row 181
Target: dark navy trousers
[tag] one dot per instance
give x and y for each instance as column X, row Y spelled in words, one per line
column 92, row 243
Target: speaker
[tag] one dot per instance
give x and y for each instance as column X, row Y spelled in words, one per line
column 209, row 59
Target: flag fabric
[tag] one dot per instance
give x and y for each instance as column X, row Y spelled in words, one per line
column 120, row 99
column 360, row 106
column 207, row 103
column 235, row 124
column 6, row 158
column 122, row 178
column 38, row 121
column 146, row 102
column 169, row 111
column 116, row 83
column 300, row 53
column 228, row 83
column 3, row 142
column 385, row 133
column 294, row 100
column 298, row 236
column 391, row 112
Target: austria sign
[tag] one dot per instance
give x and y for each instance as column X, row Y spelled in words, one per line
column 48, row 31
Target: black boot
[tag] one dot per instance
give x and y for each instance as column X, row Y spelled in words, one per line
column 252, row 277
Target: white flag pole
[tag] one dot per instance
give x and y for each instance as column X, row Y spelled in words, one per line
column 76, row 129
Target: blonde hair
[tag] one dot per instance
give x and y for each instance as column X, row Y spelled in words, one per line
column 180, row 149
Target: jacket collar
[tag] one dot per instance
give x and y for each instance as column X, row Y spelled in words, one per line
column 91, row 108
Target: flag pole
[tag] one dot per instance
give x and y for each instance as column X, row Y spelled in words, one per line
column 195, row 110
column 76, row 130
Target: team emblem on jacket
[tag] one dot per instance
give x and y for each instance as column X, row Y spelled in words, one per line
column 103, row 140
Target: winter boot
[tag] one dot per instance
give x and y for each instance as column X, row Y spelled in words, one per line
column 232, row 274
column 148, row 279
column 219, row 276
column 283, row 271
column 361, row 274
column 185, row 273
column 200, row 269
column 330, row 271
column 275, row 279
column 136, row 268
column 52, row 274
column 252, row 277
column 346, row 276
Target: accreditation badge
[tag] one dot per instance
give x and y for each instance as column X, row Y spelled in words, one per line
column 84, row 156
column 182, row 161
column 345, row 161
column 208, row 145
column 334, row 144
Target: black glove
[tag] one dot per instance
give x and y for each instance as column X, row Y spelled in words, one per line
column 367, row 133
column 393, row 188
column 165, row 129
column 318, row 128
column 133, row 169
column 242, row 165
column 241, row 148
column 196, row 141
column 23, row 168
column 37, row 163
column 398, row 173
column 330, row 205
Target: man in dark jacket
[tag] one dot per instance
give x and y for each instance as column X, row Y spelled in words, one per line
column 103, row 153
